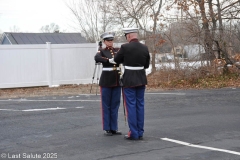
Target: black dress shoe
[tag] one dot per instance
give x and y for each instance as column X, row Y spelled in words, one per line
column 116, row 132
column 108, row 133
column 140, row 137
column 130, row 138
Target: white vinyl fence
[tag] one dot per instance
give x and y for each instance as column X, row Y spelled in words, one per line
column 46, row 64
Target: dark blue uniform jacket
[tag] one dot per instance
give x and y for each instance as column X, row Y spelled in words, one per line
column 134, row 54
column 108, row 78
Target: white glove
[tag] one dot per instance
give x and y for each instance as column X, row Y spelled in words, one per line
column 112, row 61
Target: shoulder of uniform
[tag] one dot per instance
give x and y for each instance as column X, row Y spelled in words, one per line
column 99, row 50
column 124, row 44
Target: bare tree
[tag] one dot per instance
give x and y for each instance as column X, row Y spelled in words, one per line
column 91, row 17
column 52, row 28
column 143, row 14
column 208, row 43
column 236, row 33
column 155, row 8
column 214, row 14
column 14, row 29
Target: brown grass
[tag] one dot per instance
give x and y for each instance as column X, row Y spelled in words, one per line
column 200, row 78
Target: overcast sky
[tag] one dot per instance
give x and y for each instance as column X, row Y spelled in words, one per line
column 31, row 15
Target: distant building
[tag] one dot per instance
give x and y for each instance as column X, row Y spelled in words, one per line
column 12, row 38
column 194, row 52
column 166, row 57
column 179, row 52
column 189, row 52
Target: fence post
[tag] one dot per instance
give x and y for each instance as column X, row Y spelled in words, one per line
column 49, row 64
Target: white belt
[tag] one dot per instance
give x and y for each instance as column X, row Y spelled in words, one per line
column 110, row 69
column 134, row 68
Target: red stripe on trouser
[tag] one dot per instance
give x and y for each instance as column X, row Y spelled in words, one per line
column 129, row 134
column 125, row 105
column 126, row 111
column 101, row 107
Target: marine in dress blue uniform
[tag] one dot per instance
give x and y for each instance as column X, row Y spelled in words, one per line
column 109, row 85
column 135, row 58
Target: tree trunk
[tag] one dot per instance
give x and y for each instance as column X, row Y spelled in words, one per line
column 214, row 21
column 156, row 14
column 207, row 34
column 153, row 62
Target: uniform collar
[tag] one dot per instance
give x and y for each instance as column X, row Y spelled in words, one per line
column 109, row 48
column 134, row 40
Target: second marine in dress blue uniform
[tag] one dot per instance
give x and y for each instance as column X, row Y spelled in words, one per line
column 135, row 58
column 109, row 85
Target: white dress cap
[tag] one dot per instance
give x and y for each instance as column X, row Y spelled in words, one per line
column 130, row 30
column 108, row 35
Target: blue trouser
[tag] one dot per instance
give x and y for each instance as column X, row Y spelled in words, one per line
column 110, row 99
column 134, row 100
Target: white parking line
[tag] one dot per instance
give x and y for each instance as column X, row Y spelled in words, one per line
column 8, row 110
column 198, row 146
column 43, row 109
column 40, row 109
column 79, row 107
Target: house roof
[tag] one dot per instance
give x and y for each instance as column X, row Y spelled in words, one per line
column 42, row 38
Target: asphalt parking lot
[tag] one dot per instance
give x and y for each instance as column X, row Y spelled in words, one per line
column 179, row 125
